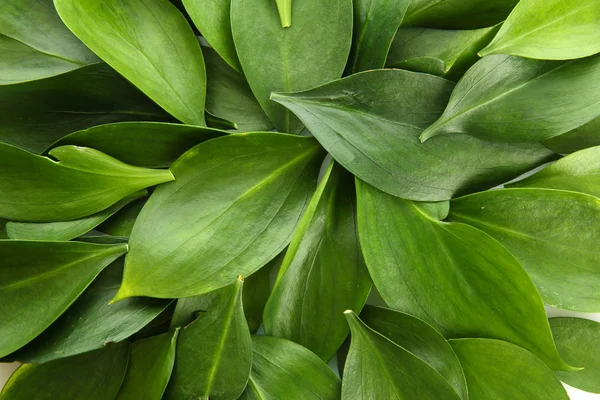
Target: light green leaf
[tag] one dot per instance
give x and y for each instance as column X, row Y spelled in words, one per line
column 450, row 275
column 285, row 370
column 84, row 181
column 577, row 341
column 587, row 135
column 553, row 233
column 150, row 365
column 377, row 368
column 33, row 115
column 370, row 123
column 214, row 353
column 285, row 12
column 323, row 272
column 91, row 322
column 186, row 243
column 375, row 24
column 497, row 370
column 420, row 339
column 146, row 144
column 508, row 98
column 150, row 43
column 96, row 375
column 30, row 53
column 257, row 289
column 56, row 272
column 550, row 30
column 314, row 50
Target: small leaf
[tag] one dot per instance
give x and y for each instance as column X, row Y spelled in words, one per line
column 150, row 43
column 121, row 224
column 553, row 233
column 96, row 375
column 587, row 135
column 508, row 98
column 150, row 365
column 323, row 272
column 186, row 243
column 214, row 353
column 257, row 289
column 377, row 368
column 550, row 30
column 497, row 370
column 577, row 341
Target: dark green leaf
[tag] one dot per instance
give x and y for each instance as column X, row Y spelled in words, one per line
column 186, row 243
column 40, row 280
column 585, row 136
column 370, row 123
column 314, row 50
column 450, row 275
column 121, row 224
column 257, row 289
column 323, row 272
column 150, row 43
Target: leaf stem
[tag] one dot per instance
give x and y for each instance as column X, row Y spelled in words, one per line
column 285, row 12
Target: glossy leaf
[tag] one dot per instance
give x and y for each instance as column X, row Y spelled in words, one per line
column 509, row 98
column 121, row 224
column 577, row 341
column 285, row 370
column 214, row 353
column 585, row 136
column 420, row 339
column 149, row 370
column 497, row 370
column 450, row 275
column 447, row 53
column 323, row 272
column 257, row 289
column 96, row 375
column 33, row 115
column 370, row 123
column 66, row 230
column 378, row 368
column 228, row 96
column 84, row 181
column 550, row 30
column 57, row 272
column 553, row 233
column 91, row 322
column 146, row 144
column 375, row 24
column 186, row 243
column 49, row 49
column 314, row 50
column 150, row 43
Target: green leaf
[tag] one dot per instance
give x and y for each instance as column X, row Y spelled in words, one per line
column 375, row 24
column 34, row 53
column 285, row 12
column 578, row 172
column 450, row 275
column 33, row 115
column 56, row 272
column 370, row 123
column 186, row 243
column 446, row 53
column 497, row 370
column 214, row 353
column 457, row 14
column 577, row 341
column 323, row 272
column 228, row 95
column 553, row 233
column 66, row 230
column 508, row 98
column 587, row 135
column 311, row 52
column 212, row 18
column 285, row 370
column 84, row 181
column 257, row 289
column 146, row 144
column 420, row 339
column 377, row 368
column 150, row 43
column 91, row 322
column 550, row 30
column 150, row 365
column 96, row 375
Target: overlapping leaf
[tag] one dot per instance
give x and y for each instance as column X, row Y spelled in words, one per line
column 587, row 135
column 257, row 289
